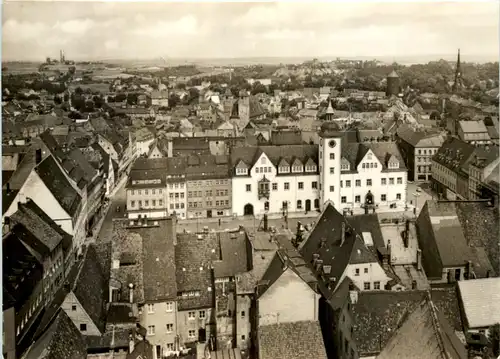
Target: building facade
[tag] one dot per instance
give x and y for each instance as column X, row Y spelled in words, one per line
column 296, row 178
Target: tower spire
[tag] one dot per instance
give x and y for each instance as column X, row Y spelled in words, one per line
column 458, row 74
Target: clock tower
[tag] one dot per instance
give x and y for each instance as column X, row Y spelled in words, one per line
column 330, row 145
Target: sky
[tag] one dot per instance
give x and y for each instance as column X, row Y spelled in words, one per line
column 143, row 30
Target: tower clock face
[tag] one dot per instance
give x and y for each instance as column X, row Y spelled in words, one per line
column 332, row 143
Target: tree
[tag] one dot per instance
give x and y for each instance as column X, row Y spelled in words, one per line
column 120, row 97
column 132, row 98
column 173, row 100
column 193, row 96
column 257, row 87
column 78, row 91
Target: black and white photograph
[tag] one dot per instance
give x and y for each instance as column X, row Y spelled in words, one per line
column 250, row 180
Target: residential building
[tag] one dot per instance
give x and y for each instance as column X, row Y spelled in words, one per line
column 49, row 188
column 34, row 248
column 158, row 307
column 208, row 186
column 345, row 253
column 448, row 253
column 480, row 168
column 417, row 149
column 450, row 167
column 425, row 324
column 235, row 260
column 143, row 140
column 195, row 287
column 147, row 189
column 480, row 304
column 263, row 249
column 473, row 132
column 177, row 192
column 287, row 310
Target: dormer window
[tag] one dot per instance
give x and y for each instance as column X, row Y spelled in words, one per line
column 241, row 171
column 393, row 164
column 284, row 169
column 297, row 169
column 345, row 165
column 297, row 166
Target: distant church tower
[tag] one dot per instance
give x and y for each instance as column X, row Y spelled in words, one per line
column 458, row 83
column 330, row 153
column 393, row 84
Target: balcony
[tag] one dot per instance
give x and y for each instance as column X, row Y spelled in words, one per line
column 264, row 193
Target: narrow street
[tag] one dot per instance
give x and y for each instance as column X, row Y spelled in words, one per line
column 118, row 199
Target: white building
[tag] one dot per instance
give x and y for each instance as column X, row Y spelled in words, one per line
column 296, row 178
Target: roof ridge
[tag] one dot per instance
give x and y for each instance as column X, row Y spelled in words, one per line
column 77, row 277
column 436, row 325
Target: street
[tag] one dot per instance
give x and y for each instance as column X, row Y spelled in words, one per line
column 118, row 199
column 417, row 198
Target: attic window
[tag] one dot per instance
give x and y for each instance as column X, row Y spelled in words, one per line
column 393, row 164
column 284, row 169
column 241, row 171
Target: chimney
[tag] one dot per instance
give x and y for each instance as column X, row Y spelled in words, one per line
column 414, row 284
column 6, row 225
column 173, row 233
column 170, row 147
column 131, row 343
column 353, row 294
column 7, row 187
column 468, row 270
column 131, row 292
column 342, row 234
column 419, row 259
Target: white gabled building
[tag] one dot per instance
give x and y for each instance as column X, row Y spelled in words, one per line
column 301, row 178
column 275, row 179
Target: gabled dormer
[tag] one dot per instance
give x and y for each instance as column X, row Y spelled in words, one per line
column 311, row 166
column 393, row 163
column 241, row 169
column 284, row 166
column 297, row 166
column 369, row 161
column 345, row 165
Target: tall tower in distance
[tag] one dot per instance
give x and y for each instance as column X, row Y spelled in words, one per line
column 458, row 83
column 329, row 111
column 61, row 56
column 393, row 84
column 330, row 152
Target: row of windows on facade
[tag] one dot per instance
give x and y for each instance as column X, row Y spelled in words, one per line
column 357, row 199
column 423, row 159
column 209, row 204
column 218, row 193
column 207, row 183
column 427, row 152
column 314, row 185
column 32, row 309
column 424, row 169
column 153, row 203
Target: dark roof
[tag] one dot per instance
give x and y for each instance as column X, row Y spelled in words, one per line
column 446, row 301
column 61, row 340
column 59, row 186
column 158, row 260
column 284, row 138
column 249, row 155
column 7, row 198
column 440, row 222
column 145, row 164
column 481, row 226
column 90, row 288
column 424, row 324
column 207, row 166
column 355, row 152
column 325, row 240
column 296, row 340
column 193, row 262
column 17, row 262
column 234, row 255
column 42, row 229
column 454, row 154
column 378, row 314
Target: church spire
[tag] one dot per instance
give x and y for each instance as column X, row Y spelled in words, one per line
column 458, row 74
